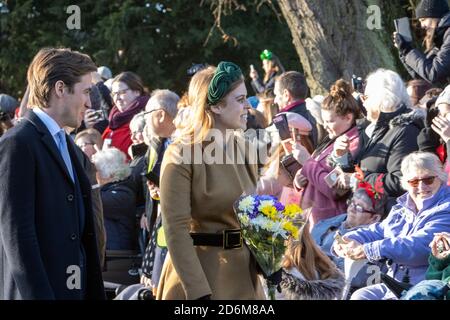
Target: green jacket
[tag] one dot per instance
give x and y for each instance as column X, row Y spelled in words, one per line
column 439, row 270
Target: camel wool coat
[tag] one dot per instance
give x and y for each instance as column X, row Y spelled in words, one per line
column 199, row 198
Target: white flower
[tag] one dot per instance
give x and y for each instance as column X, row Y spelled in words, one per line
column 265, row 203
column 267, row 225
column 246, row 204
column 278, row 229
column 244, row 219
column 259, row 221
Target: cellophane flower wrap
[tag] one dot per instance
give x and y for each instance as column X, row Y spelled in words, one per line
column 266, row 224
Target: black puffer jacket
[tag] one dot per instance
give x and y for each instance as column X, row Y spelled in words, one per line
column 394, row 137
column 435, row 66
column 119, row 209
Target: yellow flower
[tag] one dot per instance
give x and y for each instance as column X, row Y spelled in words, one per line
column 291, row 210
column 289, row 227
column 270, row 212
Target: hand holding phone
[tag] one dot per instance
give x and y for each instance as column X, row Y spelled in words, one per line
column 152, row 177
column 281, row 123
column 338, row 238
column 291, row 165
column 296, row 136
column 332, row 178
column 253, row 72
column 403, row 28
column 90, row 118
column 300, row 153
column 341, row 146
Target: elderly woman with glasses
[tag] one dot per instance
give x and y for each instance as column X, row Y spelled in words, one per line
column 403, row 237
column 129, row 96
column 388, row 135
column 118, row 199
column 363, row 210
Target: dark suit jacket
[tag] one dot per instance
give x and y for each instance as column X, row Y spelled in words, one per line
column 39, row 224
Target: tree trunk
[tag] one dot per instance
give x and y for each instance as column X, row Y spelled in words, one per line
column 333, row 40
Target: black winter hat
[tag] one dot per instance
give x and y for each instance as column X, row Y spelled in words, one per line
column 432, row 9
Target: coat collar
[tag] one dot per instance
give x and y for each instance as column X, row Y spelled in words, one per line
column 443, row 191
column 386, row 117
column 49, row 143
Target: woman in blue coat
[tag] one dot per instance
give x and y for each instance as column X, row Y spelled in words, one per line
column 403, row 237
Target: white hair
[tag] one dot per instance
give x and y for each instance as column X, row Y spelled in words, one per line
column 422, row 161
column 163, row 99
column 138, row 122
column 111, row 164
column 386, row 91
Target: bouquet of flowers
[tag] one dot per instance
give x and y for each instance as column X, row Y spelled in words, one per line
column 266, row 224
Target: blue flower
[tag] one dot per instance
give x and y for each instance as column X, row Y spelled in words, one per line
column 279, row 206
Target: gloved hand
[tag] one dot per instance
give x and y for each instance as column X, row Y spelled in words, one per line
column 403, row 46
column 275, row 279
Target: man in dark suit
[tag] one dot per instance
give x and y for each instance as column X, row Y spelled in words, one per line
column 47, row 240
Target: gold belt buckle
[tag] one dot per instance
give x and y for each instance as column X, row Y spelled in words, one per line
column 226, row 244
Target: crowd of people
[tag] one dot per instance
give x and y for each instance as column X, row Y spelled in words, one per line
column 97, row 170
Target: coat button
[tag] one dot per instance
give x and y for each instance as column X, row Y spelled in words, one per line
column 73, row 237
column 70, row 197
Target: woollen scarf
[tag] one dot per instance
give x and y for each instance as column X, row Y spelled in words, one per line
column 225, row 75
column 118, row 119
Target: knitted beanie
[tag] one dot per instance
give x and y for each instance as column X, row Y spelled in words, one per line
column 432, row 9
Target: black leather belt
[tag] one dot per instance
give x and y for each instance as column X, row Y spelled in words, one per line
column 228, row 239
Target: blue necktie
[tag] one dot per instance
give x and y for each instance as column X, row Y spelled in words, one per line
column 62, row 146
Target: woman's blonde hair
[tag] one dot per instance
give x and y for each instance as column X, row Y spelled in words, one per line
column 307, row 257
column 200, row 119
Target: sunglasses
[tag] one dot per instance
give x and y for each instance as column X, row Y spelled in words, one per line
column 415, row 182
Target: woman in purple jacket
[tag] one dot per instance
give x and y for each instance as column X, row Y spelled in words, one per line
column 403, row 237
column 339, row 113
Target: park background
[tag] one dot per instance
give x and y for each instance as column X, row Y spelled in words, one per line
column 159, row 40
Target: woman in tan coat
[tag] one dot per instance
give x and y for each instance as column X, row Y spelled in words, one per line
column 207, row 259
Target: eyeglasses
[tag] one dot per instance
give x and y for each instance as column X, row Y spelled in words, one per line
column 359, row 209
column 266, row 55
column 83, row 145
column 120, row 92
column 143, row 113
column 415, row 182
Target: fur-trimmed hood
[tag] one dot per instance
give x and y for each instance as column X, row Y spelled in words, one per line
column 416, row 116
column 326, row 289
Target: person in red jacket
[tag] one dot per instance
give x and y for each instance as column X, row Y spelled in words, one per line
column 129, row 98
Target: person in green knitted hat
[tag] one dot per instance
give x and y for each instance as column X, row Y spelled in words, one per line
column 207, row 259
